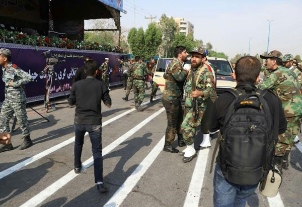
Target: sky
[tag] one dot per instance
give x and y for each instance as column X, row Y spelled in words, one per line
column 231, row 26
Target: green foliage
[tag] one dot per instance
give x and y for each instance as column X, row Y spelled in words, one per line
column 168, row 28
column 145, row 44
column 234, row 59
column 209, row 46
column 217, row 54
column 183, row 40
column 153, row 38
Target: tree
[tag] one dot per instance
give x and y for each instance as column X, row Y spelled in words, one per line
column 298, row 58
column 234, row 59
column 168, row 28
column 153, row 38
column 132, row 39
column 217, row 54
column 183, row 40
column 140, row 38
column 209, row 46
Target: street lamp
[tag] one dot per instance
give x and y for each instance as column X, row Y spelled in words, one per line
column 269, row 30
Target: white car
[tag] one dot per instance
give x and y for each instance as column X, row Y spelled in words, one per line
column 222, row 66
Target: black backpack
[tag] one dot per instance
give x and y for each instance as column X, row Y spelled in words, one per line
column 247, row 143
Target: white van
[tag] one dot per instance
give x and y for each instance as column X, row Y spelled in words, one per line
column 222, row 66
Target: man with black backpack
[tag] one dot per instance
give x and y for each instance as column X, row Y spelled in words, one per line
column 249, row 120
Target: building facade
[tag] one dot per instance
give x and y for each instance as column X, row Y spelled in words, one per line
column 185, row 27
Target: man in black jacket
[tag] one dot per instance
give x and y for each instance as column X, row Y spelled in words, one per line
column 246, row 74
column 87, row 95
column 80, row 74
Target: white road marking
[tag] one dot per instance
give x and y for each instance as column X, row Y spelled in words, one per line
column 44, row 194
column 299, row 146
column 275, row 201
column 120, row 195
column 193, row 194
column 36, row 157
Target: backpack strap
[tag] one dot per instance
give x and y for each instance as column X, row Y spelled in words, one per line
column 215, row 151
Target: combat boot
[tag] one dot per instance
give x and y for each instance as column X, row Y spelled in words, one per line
column 151, row 99
column 285, row 162
column 169, row 148
column 181, row 142
column 26, row 143
column 125, row 98
column 139, row 108
column 6, row 147
column 278, row 163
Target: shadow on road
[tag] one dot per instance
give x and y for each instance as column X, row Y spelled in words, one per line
column 113, row 180
column 19, row 182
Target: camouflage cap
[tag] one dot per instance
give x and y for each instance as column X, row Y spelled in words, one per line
column 198, row 50
column 287, row 57
column 5, row 52
column 272, row 54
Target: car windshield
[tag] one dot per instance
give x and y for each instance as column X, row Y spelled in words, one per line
column 223, row 67
column 162, row 64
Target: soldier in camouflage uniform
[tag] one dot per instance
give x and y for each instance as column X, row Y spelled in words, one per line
column 126, row 66
column 154, row 86
column 175, row 76
column 104, row 69
column 15, row 100
column 139, row 70
column 204, row 82
column 284, row 84
column 288, row 60
column 129, row 81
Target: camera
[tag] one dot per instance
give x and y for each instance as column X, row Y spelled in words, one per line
column 50, row 60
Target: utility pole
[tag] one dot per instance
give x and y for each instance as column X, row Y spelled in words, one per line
column 151, row 18
column 250, row 45
column 269, row 31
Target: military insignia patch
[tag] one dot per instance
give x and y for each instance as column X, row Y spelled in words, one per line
column 15, row 66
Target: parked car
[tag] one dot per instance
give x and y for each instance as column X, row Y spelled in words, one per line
column 222, row 66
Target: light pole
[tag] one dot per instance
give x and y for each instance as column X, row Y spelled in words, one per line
column 250, row 45
column 269, row 30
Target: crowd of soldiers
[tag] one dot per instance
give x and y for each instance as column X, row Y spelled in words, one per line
column 282, row 76
column 136, row 73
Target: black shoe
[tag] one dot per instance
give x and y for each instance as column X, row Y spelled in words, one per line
column 170, row 148
column 26, row 143
column 101, row 188
column 278, row 163
column 188, row 159
column 151, row 99
column 125, row 98
column 6, row 147
column 285, row 162
column 139, row 108
column 181, row 143
column 77, row 170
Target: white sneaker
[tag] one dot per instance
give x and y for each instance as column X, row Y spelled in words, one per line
column 206, row 142
column 296, row 140
column 190, row 153
column 182, row 153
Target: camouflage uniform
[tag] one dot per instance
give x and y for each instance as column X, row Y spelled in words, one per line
column 205, row 84
column 139, row 71
column 15, row 99
column 105, row 76
column 175, row 76
column 154, row 84
column 283, row 83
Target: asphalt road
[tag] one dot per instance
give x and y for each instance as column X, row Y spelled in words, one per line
column 136, row 170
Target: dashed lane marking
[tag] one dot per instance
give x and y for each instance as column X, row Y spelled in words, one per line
column 193, row 194
column 120, row 195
